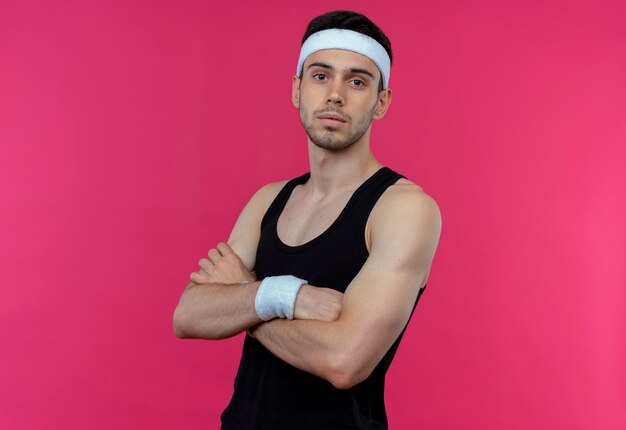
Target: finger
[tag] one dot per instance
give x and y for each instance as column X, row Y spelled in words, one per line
column 214, row 255
column 197, row 278
column 204, row 276
column 225, row 249
column 205, row 264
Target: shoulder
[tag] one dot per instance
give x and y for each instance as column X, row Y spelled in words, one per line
column 264, row 196
column 268, row 192
column 405, row 199
column 405, row 211
column 245, row 235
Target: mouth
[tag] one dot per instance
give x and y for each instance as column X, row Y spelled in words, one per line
column 331, row 119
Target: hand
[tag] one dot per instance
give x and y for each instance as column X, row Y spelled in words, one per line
column 313, row 303
column 222, row 267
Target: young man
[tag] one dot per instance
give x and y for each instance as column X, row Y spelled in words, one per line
column 322, row 271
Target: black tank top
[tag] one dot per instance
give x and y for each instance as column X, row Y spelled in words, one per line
column 271, row 394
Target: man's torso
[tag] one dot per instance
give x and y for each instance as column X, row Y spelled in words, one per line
column 324, row 243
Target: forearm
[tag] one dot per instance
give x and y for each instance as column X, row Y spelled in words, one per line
column 215, row 311
column 319, row 347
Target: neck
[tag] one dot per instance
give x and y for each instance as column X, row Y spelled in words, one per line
column 339, row 171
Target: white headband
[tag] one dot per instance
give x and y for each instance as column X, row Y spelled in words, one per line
column 350, row 41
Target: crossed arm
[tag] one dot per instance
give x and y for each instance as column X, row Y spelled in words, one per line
column 344, row 348
column 219, row 301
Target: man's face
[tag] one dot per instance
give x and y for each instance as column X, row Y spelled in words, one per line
column 337, row 97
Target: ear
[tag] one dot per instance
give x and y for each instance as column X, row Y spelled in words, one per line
column 295, row 91
column 382, row 104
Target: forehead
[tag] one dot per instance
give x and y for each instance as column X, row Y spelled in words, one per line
column 341, row 59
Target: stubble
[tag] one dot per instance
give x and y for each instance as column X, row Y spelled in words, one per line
column 330, row 138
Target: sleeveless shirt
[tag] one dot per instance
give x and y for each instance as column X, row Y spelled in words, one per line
column 270, row 393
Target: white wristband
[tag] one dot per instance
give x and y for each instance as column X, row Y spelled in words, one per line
column 276, row 297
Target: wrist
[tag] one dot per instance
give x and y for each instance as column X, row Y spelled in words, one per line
column 276, row 297
column 252, row 331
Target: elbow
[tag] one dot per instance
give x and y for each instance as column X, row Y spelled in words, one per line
column 344, row 374
column 179, row 333
column 180, row 324
column 181, row 321
column 343, row 381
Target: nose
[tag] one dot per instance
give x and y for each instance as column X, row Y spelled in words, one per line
column 335, row 93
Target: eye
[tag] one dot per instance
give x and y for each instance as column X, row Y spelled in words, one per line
column 357, row 83
column 319, row 77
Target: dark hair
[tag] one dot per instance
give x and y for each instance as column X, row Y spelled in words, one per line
column 348, row 20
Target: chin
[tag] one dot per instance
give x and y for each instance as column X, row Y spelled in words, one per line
column 332, row 145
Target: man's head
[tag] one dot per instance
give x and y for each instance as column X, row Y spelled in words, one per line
column 341, row 83
column 353, row 21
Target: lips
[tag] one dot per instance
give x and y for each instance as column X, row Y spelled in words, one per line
column 331, row 116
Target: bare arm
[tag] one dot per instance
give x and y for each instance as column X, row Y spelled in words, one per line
column 378, row 302
column 217, row 305
column 215, row 310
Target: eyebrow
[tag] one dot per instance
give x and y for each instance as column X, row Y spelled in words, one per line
column 352, row 69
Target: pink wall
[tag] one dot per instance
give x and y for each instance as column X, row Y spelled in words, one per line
column 132, row 133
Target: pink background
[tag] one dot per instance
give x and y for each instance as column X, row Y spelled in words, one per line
column 133, row 132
